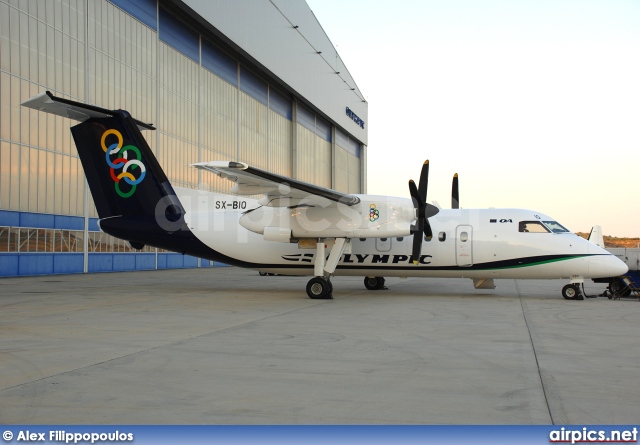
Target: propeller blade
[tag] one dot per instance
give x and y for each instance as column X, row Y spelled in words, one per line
column 417, row 242
column 455, row 198
column 423, row 211
column 427, row 229
column 423, row 183
column 418, row 203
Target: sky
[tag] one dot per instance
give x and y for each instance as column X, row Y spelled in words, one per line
column 534, row 103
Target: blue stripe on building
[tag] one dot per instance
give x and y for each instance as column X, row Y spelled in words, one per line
column 47, row 263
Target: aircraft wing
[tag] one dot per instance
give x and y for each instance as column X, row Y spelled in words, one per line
column 253, row 181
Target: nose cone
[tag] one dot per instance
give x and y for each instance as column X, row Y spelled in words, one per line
column 602, row 264
column 616, row 267
column 606, row 266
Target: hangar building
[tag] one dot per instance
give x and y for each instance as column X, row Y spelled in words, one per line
column 257, row 81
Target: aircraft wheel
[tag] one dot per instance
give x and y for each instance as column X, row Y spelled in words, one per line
column 571, row 292
column 618, row 288
column 262, row 274
column 319, row 288
column 374, row 283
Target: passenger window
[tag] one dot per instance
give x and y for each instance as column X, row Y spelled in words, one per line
column 400, row 238
column 464, row 236
column 442, row 236
column 532, row 227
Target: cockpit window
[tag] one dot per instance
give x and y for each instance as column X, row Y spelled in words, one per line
column 555, row 227
column 532, row 226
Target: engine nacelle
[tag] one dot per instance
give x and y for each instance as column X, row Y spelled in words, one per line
column 374, row 216
column 279, row 234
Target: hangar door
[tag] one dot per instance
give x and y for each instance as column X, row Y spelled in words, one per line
column 464, row 251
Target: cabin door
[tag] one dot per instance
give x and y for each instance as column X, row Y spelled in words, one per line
column 464, row 250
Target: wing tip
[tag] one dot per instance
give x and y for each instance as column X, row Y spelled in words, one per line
column 221, row 164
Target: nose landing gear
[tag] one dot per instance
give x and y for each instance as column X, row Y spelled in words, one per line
column 320, row 287
column 572, row 292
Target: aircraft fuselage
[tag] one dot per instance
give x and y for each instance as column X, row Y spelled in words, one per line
column 468, row 243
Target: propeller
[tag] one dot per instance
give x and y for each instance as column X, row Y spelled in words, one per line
column 455, row 198
column 423, row 212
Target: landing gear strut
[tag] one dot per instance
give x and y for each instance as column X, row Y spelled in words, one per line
column 572, row 292
column 374, row 283
column 320, row 287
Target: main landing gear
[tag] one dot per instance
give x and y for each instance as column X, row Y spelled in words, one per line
column 320, row 287
column 572, row 292
column 374, row 283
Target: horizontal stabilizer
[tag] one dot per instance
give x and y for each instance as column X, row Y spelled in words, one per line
column 78, row 111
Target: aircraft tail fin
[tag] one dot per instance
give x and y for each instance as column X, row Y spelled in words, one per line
column 124, row 176
column 596, row 236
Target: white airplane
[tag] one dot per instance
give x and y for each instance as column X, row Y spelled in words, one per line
column 297, row 228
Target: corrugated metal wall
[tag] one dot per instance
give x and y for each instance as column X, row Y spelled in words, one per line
column 102, row 55
column 253, row 132
column 219, row 108
column 342, row 170
column 313, row 159
column 280, row 141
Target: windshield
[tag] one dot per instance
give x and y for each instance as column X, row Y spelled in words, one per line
column 555, row 227
column 532, row 227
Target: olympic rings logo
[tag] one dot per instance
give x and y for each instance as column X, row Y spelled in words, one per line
column 122, row 161
column 374, row 213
